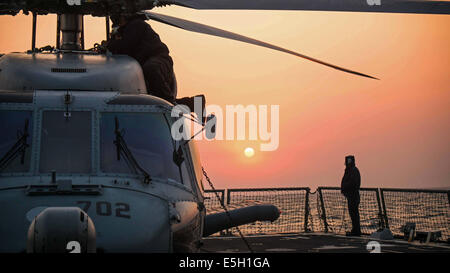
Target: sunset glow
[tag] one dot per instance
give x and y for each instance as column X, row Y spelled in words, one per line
column 397, row 127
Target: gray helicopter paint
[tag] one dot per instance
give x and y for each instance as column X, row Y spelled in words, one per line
column 13, row 97
column 33, row 213
column 68, row 71
column 144, row 227
column 153, row 208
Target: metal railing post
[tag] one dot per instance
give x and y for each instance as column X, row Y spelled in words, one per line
column 222, row 199
column 306, row 210
column 322, row 205
column 386, row 219
column 228, row 231
column 380, row 210
column 448, row 196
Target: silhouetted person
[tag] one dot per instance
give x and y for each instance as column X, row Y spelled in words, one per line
column 350, row 185
column 135, row 38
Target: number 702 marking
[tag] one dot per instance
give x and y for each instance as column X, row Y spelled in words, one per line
column 103, row 208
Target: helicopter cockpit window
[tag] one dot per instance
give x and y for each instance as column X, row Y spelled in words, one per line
column 15, row 141
column 66, row 142
column 148, row 139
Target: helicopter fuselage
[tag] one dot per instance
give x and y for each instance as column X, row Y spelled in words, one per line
column 80, row 120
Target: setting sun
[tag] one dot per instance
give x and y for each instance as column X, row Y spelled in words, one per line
column 249, row 152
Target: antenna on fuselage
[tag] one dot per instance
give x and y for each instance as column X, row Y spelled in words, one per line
column 82, row 32
column 107, row 28
column 58, row 31
column 33, row 37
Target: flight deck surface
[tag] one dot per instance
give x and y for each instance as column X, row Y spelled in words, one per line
column 315, row 243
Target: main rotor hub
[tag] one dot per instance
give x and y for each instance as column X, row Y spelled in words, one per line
column 71, row 26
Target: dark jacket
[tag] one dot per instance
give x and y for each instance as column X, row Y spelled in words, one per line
column 351, row 182
column 138, row 40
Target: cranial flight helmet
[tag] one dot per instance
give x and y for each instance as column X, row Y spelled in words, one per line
column 349, row 160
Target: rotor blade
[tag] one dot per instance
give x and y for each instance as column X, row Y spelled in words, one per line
column 107, row 7
column 200, row 28
column 393, row 6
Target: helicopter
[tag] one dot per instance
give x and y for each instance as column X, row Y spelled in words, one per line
column 87, row 160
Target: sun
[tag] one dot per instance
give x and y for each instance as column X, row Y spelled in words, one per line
column 249, row 152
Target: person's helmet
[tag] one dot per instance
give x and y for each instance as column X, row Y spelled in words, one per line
column 349, row 160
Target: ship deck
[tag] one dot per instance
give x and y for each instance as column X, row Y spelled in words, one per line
column 315, row 243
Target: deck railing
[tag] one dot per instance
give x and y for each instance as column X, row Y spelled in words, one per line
column 326, row 210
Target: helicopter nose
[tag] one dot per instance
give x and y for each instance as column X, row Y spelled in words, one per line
column 57, row 229
column 135, row 222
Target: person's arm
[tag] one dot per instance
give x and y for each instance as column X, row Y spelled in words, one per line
column 357, row 179
column 344, row 184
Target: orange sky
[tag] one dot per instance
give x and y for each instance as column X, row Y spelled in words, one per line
column 398, row 128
